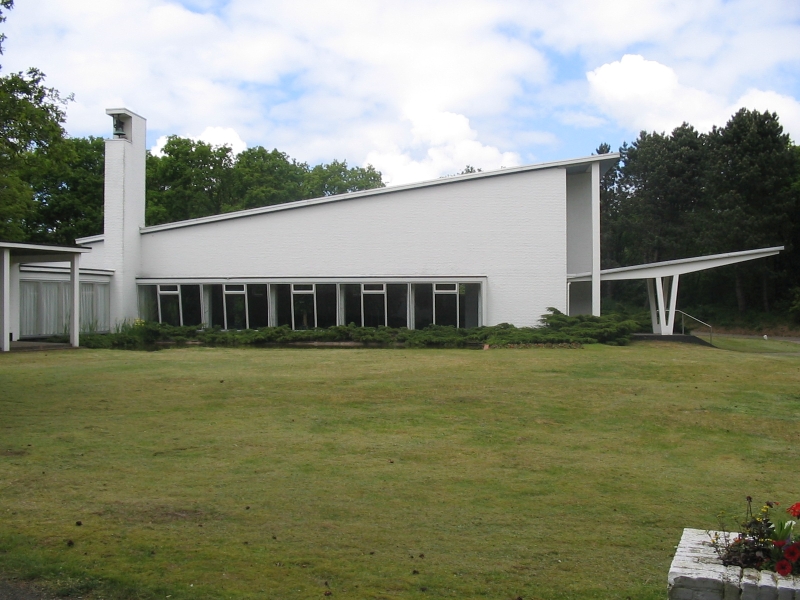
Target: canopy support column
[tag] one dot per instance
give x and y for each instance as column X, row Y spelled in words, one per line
column 5, row 299
column 651, row 295
column 661, row 315
column 75, row 314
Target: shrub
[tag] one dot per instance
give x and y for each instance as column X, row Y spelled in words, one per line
column 557, row 329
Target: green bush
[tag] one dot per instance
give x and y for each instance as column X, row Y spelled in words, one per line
column 556, row 329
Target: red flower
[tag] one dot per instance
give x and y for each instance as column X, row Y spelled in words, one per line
column 792, row 553
column 794, row 510
column 783, row 567
column 779, row 543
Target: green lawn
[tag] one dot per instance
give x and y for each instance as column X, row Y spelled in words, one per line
column 252, row 473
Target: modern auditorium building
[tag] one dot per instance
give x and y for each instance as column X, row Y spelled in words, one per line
column 483, row 248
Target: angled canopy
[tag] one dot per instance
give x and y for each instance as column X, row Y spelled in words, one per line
column 663, row 317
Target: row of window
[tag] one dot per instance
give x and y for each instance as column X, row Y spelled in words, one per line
column 309, row 305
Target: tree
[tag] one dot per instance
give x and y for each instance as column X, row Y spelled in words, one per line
column 262, row 178
column 4, row 5
column 336, row 178
column 31, row 131
column 661, row 185
column 68, row 193
column 753, row 168
column 192, row 179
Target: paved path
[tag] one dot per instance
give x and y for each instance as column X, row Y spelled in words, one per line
column 21, row 590
column 772, row 338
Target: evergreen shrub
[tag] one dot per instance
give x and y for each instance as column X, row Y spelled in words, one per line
column 556, row 330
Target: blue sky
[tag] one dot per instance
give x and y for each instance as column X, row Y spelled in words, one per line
column 418, row 89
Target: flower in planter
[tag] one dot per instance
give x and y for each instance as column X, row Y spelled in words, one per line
column 792, row 553
column 783, row 567
column 794, row 510
column 765, row 541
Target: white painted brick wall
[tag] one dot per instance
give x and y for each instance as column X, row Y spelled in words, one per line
column 510, row 228
column 696, row 573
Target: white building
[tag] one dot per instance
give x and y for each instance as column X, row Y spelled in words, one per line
column 483, row 248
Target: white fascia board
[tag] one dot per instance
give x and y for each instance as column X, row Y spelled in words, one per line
column 278, row 280
column 122, row 111
column 92, row 239
column 566, row 164
column 686, row 265
column 28, row 268
column 44, row 248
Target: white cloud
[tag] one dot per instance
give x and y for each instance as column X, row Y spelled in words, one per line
column 642, row 94
column 446, row 144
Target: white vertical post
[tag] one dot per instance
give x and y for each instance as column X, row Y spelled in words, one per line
column 596, row 239
column 5, row 299
column 75, row 282
column 651, row 295
column 662, row 321
column 673, row 299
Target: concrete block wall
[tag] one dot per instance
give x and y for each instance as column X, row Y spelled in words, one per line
column 697, row 573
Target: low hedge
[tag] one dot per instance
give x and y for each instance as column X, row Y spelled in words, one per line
column 557, row 329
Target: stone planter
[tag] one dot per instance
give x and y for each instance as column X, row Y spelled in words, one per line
column 697, row 573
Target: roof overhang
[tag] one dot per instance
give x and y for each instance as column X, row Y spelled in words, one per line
column 41, row 253
column 677, row 267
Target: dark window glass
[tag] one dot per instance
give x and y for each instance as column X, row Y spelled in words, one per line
column 234, row 288
column 303, row 287
column 326, row 304
column 351, row 296
column 217, row 307
column 170, row 309
column 469, row 304
column 190, row 304
column 235, row 311
column 445, row 287
column 169, row 288
column 397, row 304
column 446, row 309
column 303, row 311
column 257, row 305
column 374, row 310
column 283, row 304
column 148, row 303
column 423, row 305
column 373, row 287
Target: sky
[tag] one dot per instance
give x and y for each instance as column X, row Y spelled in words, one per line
column 418, row 89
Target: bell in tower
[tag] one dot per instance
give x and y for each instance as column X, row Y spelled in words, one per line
column 119, row 128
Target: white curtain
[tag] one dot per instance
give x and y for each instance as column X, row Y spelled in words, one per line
column 102, row 306
column 28, row 308
column 51, row 318
column 88, row 320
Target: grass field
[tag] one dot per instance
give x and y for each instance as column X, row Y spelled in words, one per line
column 252, row 473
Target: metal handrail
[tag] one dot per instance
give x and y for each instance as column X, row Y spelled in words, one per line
column 683, row 331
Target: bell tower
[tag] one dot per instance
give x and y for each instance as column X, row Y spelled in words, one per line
column 124, row 209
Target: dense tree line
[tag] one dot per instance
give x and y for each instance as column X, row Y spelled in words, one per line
column 688, row 193
column 193, row 179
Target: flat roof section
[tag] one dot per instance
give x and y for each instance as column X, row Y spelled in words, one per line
column 680, row 266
